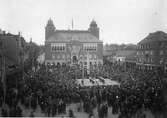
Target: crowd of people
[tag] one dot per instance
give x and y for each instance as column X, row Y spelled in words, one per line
column 54, row 87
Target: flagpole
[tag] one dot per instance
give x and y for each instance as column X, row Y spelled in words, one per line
column 4, row 77
column 72, row 24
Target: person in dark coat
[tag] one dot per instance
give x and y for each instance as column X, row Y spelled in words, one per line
column 18, row 112
column 4, row 112
column 12, row 112
column 71, row 114
column 32, row 114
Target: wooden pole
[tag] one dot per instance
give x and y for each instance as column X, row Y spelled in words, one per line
column 4, row 76
column 83, row 70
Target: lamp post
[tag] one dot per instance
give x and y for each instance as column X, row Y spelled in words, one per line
column 82, row 67
column 88, row 64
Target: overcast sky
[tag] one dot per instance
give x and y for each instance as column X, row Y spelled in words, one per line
column 120, row 21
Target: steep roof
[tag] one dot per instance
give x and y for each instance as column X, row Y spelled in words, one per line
column 156, row 36
column 70, row 35
column 109, row 53
column 126, row 53
column 130, row 47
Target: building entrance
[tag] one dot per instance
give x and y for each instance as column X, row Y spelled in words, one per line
column 74, row 60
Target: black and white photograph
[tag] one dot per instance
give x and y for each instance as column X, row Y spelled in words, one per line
column 83, row 58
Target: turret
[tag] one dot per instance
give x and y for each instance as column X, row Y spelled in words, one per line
column 49, row 29
column 93, row 29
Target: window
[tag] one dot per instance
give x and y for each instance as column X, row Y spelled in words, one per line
column 137, row 52
column 63, row 48
column 0, row 44
column 58, row 56
column 53, row 48
column 151, row 52
column 90, row 47
column 68, row 56
column 63, row 56
column 53, row 56
column 161, row 52
column 58, row 47
column 161, row 61
column 80, row 62
column 151, row 60
column 160, row 44
column 90, row 57
column 149, row 46
column 141, row 53
column 95, row 57
column 141, row 46
column 85, row 63
column 147, row 52
column 140, row 60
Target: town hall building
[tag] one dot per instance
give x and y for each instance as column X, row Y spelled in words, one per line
column 72, row 47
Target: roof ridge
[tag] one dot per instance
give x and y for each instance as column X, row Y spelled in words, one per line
column 68, row 35
column 75, row 31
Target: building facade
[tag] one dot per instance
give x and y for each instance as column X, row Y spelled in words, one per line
column 11, row 49
column 152, row 51
column 73, row 46
column 127, row 54
column 11, row 46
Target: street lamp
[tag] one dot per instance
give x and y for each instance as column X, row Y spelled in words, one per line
column 82, row 66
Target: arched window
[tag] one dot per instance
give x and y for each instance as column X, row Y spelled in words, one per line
column 59, row 48
column 63, row 48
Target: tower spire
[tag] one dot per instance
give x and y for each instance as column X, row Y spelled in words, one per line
column 93, row 28
column 49, row 29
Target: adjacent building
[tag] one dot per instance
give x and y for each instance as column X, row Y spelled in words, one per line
column 82, row 47
column 125, row 54
column 11, row 50
column 152, row 51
